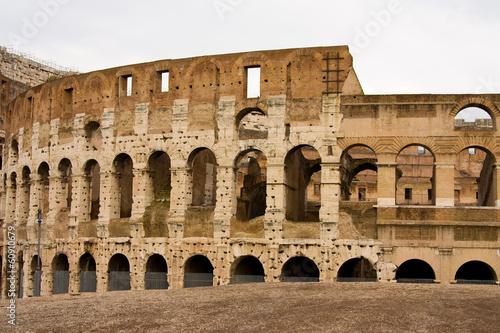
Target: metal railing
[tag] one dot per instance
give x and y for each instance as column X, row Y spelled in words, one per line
column 198, row 280
column 410, row 280
column 238, row 279
column 300, row 279
column 463, row 281
column 60, row 282
column 119, row 280
column 155, row 280
column 356, row 279
column 88, row 282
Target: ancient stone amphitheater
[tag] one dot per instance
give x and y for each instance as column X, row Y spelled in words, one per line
column 262, row 166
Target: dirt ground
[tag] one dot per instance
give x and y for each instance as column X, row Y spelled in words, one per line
column 267, row 307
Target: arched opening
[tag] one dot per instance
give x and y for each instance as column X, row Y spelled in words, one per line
column 12, row 196
column 36, row 275
column 93, row 135
column 251, row 179
column 25, row 195
column 156, row 273
column 159, row 168
column 476, row 272
column 359, row 174
column 88, row 276
column 93, row 182
column 43, row 176
column 473, row 118
column 66, row 181
column 247, row 269
column 14, row 152
column 198, row 272
column 415, row 271
column 119, row 273
column 251, row 124
column 123, row 167
column 357, row 270
column 204, row 177
column 415, row 176
column 474, row 170
column 300, row 269
column 60, row 274
column 303, row 171
column 158, row 190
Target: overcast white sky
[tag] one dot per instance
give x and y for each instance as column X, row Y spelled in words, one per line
column 414, row 46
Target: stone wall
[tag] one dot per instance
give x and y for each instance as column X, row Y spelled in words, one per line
column 128, row 171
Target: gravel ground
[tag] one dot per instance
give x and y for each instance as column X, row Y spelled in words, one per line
column 267, row 307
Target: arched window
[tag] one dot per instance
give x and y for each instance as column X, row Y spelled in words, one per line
column 473, row 118
column 415, row 176
column 251, row 179
column 251, row 124
column 302, row 175
column 204, row 177
column 93, row 187
column 123, row 167
column 359, row 174
column 476, row 272
column 474, row 170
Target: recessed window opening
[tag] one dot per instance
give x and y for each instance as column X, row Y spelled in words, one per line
column 472, row 151
column 3, row 90
column 253, row 82
column 421, row 150
column 126, row 85
column 164, row 81
column 408, row 193
column 473, row 118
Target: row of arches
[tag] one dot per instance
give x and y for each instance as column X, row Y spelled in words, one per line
column 415, row 176
column 199, row 271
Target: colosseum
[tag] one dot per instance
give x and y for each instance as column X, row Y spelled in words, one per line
column 263, row 166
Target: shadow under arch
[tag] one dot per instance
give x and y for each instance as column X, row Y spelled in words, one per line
column 476, row 272
column 415, row 271
column 357, row 270
column 247, row 269
column 198, row 272
column 300, row 269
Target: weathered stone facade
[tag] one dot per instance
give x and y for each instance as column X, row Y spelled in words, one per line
column 169, row 172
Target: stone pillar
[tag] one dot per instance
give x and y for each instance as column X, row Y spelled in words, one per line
column 108, row 210
column 330, row 198
column 80, row 204
column 179, row 196
column 444, row 184
column 276, row 199
column 386, row 180
column 142, row 197
column 225, row 204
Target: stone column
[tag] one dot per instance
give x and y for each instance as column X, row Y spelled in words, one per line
column 276, row 199
column 330, row 198
column 225, row 204
column 142, row 197
column 108, row 210
column 386, row 180
column 444, row 184
column 80, row 204
column 179, row 196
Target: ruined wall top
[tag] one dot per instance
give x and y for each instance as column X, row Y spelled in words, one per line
column 303, row 75
column 28, row 70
